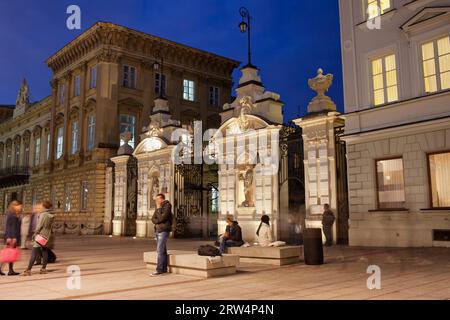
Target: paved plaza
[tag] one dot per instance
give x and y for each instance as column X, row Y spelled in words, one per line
column 113, row 268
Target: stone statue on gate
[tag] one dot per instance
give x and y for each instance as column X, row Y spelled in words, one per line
column 155, row 188
column 247, row 177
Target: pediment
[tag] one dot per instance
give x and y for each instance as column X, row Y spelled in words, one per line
column 150, row 144
column 428, row 17
column 233, row 126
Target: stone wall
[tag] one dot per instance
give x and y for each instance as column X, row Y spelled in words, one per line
column 411, row 228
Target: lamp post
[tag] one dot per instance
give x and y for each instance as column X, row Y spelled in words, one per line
column 158, row 66
column 244, row 27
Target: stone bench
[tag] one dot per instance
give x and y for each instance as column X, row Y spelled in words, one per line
column 275, row 256
column 191, row 264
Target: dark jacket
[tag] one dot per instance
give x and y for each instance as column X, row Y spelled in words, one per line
column 162, row 218
column 12, row 226
column 328, row 218
column 235, row 233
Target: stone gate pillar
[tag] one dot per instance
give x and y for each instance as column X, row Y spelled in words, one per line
column 318, row 129
column 121, row 192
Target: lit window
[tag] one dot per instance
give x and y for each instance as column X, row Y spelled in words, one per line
column 17, row 154
column 390, row 184
column 375, row 8
column 26, row 155
column 93, row 77
column 84, row 195
column 129, row 77
column 160, row 83
column 128, row 123
column 74, row 139
column 384, row 80
column 59, row 142
column 62, row 90
column 188, row 90
column 77, row 85
column 91, row 132
column 214, row 96
column 47, row 156
column 439, row 177
column 436, row 65
column 37, row 151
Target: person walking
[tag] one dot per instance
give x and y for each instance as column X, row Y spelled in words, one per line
column 162, row 219
column 42, row 237
column 264, row 232
column 12, row 231
column 25, row 224
column 327, row 224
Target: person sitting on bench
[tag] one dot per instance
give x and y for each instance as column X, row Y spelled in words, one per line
column 232, row 236
column 264, row 232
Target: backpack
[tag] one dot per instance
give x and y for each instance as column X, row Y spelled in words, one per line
column 208, row 251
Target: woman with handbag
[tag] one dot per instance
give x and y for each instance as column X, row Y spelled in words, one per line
column 12, row 236
column 42, row 238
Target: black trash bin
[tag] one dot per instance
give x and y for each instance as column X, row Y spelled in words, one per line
column 312, row 246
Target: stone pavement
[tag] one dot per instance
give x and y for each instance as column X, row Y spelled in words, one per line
column 112, row 268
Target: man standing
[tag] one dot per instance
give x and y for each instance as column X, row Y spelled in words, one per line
column 327, row 223
column 162, row 219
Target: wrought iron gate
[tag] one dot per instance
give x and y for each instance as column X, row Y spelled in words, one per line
column 193, row 199
column 291, row 181
column 342, row 191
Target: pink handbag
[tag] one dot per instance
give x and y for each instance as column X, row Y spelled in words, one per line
column 41, row 240
column 8, row 255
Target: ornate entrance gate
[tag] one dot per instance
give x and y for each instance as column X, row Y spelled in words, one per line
column 292, row 187
column 342, row 191
column 192, row 199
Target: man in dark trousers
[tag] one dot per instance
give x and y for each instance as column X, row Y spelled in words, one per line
column 162, row 219
column 327, row 223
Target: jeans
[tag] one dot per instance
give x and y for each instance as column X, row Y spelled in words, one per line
column 328, row 235
column 35, row 252
column 225, row 243
column 161, row 249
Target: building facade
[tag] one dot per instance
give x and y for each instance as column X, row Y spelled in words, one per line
column 104, row 84
column 396, row 68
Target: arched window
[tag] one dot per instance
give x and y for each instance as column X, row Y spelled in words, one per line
column 90, row 132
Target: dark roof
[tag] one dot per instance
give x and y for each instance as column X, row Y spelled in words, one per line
column 7, row 106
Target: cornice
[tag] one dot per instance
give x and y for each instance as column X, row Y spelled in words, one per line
column 113, row 35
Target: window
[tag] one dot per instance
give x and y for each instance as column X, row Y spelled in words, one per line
column 84, row 195
column 439, row 165
column 34, row 197
column 93, row 77
column 59, row 142
column 26, row 155
column 62, row 90
column 74, row 139
column 188, row 90
column 47, row 156
column 53, row 197
column 67, row 198
column 390, row 184
column 375, row 8
column 384, row 80
column 37, row 150
column 214, row 200
column 128, row 123
column 436, row 65
column 214, row 96
column 129, row 77
column 160, row 83
column 77, row 86
column 91, row 132
column 16, row 154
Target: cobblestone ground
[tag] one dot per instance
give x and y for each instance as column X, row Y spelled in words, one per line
column 112, row 268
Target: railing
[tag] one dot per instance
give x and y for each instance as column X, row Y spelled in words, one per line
column 15, row 171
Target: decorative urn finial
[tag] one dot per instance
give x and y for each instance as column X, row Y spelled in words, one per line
column 321, row 83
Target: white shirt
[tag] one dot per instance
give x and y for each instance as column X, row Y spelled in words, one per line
column 265, row 235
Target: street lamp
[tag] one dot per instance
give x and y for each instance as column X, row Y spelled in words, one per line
column 158, row 67
column 244, row 27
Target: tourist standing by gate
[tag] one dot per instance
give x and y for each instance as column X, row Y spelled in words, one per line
column 162, row 219
column 327, row 223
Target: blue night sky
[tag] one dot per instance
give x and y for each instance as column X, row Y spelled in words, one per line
column 291, row 39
